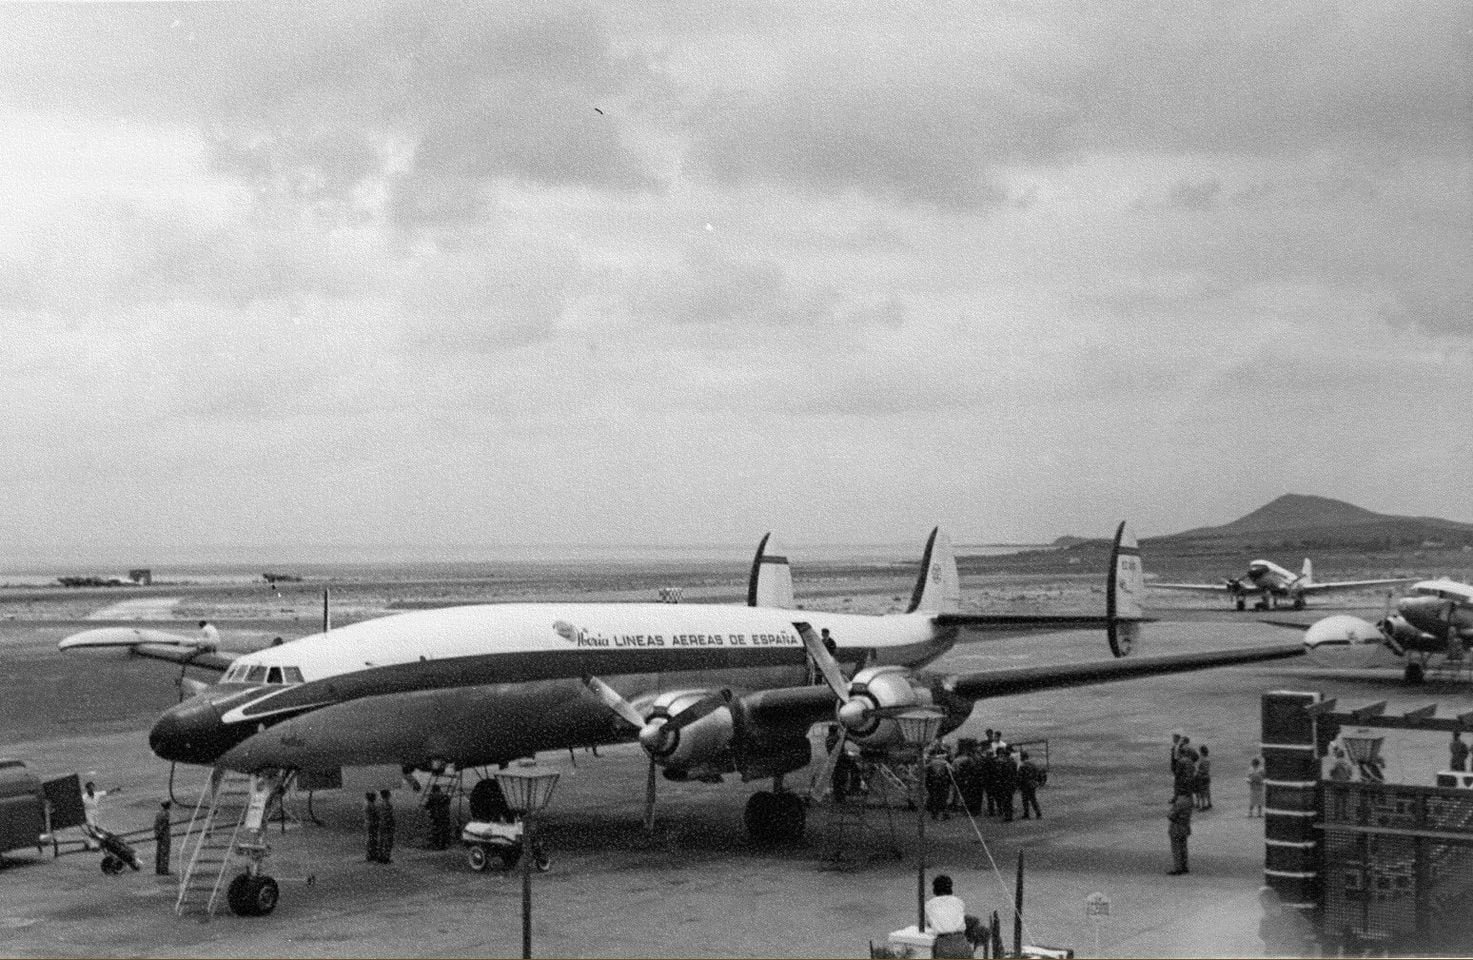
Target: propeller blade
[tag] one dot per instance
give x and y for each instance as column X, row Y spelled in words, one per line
column 614, row 702
column 827, row 665
column 830, row 761
column 649, row 799
column 701, row 708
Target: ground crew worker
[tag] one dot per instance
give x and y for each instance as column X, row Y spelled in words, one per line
column 1029, row 780
column 92, row 809
column 1459, row 753
column 1178, row 828
column 386, row 828
column 371, row 825
column 161, row 839
column 437, row 804
column 1007, row 784
column 209, row 636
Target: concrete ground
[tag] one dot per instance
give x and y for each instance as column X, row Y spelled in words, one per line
column 697, row 888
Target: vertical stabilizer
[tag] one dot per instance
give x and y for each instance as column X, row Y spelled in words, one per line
column 1306, row 573
column 771, row 582
column 1124, row 587
column 938, row 588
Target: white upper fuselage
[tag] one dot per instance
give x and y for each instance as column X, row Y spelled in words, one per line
column 1269, row 577
column 475, row 684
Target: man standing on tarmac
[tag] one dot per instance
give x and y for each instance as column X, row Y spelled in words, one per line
column 437, row 805
column 161, row 839
column 386, row 828
column 371, row 825
column 1178, row 828
column 1029, row 780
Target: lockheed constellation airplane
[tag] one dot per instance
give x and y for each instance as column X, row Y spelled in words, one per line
column 1275, row 583
column 706, row 690
column 1435, row 621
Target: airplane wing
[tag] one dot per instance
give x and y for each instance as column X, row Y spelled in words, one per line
column 1015, row 680
column 1201, row 587
column 803, row 706
column 1315, row 588
column 154, row 645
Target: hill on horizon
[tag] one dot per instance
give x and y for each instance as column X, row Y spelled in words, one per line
column 1307, row 521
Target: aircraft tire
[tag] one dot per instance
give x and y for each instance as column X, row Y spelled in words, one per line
column 1242, row 604
column 478, row 858
column 111, row 865
column 1298, row 603
column 1414, row 673
column 238, row 896
column 265, row 894
column 791, row 819
column 760, row 817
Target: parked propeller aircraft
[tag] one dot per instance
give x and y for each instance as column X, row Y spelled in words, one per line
column 1436, row 620
column 707, row 690
column 1275, row 583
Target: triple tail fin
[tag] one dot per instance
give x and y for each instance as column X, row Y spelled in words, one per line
column 938, row 588
column 771, row 582
column 1125, row 585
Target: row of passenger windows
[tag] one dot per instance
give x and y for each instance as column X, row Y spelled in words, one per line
column 255, row 673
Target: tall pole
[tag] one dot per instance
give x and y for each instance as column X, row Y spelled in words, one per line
column 921, row 833
column 527, row 887
column 1018, row 911
column 326, row 611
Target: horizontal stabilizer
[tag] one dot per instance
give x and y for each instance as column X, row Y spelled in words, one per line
column 153, row 644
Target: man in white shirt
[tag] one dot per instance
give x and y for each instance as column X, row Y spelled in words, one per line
column 209, row 636
column 946, row 917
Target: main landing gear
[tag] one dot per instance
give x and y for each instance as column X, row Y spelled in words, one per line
column 1414, row 673
column 775, row 818
column 252, row 895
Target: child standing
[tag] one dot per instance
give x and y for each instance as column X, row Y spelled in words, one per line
column 1255, row 786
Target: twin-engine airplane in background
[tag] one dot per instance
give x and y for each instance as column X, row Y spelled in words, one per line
column 1435, row 621
column 1275, row 583
column 706, row 690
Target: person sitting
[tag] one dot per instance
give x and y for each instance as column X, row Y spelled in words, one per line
column 946, row 917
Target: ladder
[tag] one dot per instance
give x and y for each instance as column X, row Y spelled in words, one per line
column 849, row 821
column 209, row 845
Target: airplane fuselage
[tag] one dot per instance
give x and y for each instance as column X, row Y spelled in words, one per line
column 481, row 684
column 1265, row 576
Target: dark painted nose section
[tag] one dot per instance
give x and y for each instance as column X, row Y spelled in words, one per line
column 193, row 733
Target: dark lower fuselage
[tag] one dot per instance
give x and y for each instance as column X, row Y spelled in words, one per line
column 483, row 708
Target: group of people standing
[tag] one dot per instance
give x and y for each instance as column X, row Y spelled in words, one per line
column 378, row 822
column 1191, row 771
column 982, row 777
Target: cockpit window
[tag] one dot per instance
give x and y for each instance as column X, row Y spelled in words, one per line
column 274, row 675
column 257, row 675
column 293, row 675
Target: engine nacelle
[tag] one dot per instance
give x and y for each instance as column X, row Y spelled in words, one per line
column 1345, row 641
column 705, row 742
column 880, row 687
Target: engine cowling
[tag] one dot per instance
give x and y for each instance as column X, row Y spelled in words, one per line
column 704, row 742
column 876, row 688
column 1344, row 641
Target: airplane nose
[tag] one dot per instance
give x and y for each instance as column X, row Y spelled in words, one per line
column 191, row 733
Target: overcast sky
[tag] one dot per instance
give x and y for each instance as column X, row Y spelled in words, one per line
column 439, row 273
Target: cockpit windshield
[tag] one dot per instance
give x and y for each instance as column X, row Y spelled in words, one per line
column 258, row 673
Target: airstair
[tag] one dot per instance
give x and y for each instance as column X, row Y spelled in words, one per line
column 849, row 822
column 210, row 845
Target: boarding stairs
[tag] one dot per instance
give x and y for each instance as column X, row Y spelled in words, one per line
column 849, row 821
column 209, row 847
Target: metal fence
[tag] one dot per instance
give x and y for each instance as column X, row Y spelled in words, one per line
column 1398, row 866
